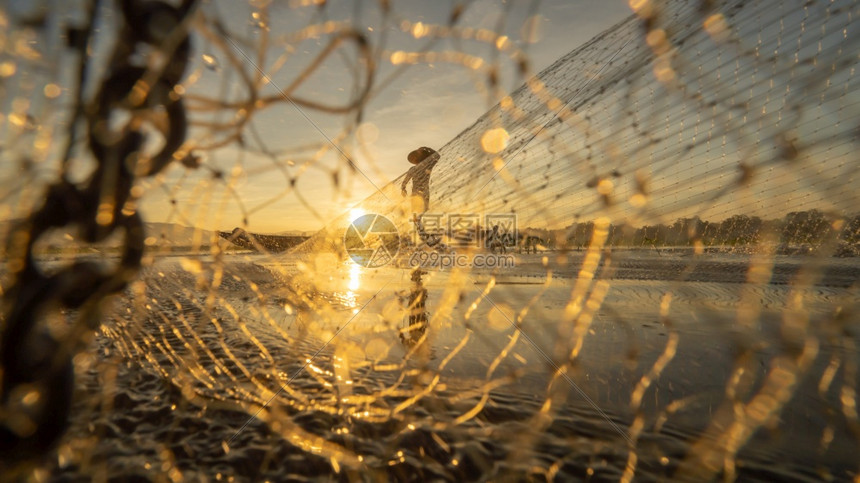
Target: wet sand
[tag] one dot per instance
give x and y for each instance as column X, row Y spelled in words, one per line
column 180, row 372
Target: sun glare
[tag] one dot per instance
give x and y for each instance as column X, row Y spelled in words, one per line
column 356, row 212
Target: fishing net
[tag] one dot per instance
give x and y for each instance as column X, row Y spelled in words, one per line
column 641, row 262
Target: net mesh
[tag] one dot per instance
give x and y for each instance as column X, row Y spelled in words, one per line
column 641, row 263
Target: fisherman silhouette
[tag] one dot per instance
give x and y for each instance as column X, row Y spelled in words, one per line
column 424, row 159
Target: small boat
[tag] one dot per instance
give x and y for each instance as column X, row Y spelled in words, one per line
column 261, row 243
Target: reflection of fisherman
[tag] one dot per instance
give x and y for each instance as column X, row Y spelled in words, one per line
column 415, row 304
column 496, row 242
column 530, row 244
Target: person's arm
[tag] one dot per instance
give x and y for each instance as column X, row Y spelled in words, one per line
column 405, row 181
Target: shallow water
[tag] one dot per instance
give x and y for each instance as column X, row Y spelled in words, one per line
column 305, row 383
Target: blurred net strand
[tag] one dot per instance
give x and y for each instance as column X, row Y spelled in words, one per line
column 468, row 34
column 308, row 361
column 505, row 45
column 265, row 78
column 37, row 296
column 83, row 38
column 666, row 164
column 558, row 369
column 550, row 121
column 720, row 123
column 436, row 33
column 637, row 427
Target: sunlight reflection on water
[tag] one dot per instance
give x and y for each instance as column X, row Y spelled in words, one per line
column 353, row 284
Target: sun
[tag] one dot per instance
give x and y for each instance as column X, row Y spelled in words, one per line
column 356, row 212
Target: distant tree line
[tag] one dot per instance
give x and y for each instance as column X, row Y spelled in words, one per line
column 797, row 232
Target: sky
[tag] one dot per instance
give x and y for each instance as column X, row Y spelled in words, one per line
column 298, row 165
column 425, row 104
